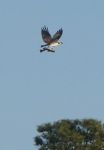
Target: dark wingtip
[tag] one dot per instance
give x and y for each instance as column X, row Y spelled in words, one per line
column 45, row 28
column 42, row 45
column 61, row 30
column 41, row 50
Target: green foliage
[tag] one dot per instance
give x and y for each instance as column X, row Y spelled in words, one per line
column 86, row 134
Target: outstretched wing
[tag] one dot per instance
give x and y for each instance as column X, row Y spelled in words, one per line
column 46, row 35
column 57, row 35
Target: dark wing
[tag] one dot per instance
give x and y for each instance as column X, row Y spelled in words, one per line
column 57, row 35
column 46, row 35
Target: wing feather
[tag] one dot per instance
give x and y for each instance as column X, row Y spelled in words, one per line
column 57, row 35
column 46, row 35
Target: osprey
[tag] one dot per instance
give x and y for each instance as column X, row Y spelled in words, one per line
column 51, row 42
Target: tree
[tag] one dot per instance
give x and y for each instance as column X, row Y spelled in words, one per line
column 86, row 134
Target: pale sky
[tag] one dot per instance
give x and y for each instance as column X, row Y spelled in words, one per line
column 36, row 87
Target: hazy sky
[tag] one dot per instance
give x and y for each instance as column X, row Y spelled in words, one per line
column 39, row 87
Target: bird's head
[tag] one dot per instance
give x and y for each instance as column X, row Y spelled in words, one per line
column 60, row 43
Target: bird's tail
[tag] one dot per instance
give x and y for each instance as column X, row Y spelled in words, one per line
column 44, row 45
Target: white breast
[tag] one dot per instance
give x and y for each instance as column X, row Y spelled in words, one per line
column 54, row 44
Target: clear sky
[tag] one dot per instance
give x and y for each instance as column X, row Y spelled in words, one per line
column 39, row 87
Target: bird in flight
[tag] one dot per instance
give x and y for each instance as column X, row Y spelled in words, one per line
column 51, row 42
